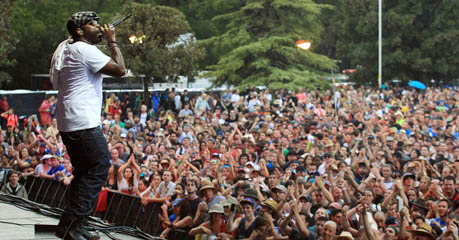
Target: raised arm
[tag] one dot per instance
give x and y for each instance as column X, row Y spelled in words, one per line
column 123, row 167
column 115, row 67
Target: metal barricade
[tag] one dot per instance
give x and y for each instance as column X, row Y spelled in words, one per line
column 122, row 209
column 4, row 176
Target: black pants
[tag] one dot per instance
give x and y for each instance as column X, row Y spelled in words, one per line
column 88, row 152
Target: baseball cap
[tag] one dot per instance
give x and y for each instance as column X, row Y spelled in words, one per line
column 46, row 156
column 79, row 19
column 83, row 17
column 247, row 200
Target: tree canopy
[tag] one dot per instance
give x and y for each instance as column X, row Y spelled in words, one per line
column 6, row 41
column 419, row 39
column 251, row 42
column 38, row 26
column 260, row 45
column 165, row 48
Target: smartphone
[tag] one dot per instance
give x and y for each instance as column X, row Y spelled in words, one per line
column 399, row 203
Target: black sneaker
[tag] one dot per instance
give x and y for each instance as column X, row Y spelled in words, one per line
column 75, row 232
column 61, row 233
column 89, row 235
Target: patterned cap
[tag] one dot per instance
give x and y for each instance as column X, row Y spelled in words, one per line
column 81, row 18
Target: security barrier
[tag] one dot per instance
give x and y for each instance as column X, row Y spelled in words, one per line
column 3, row 176
column 122, row 209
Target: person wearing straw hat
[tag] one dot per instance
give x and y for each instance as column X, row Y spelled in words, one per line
column 423, row 232
column 207, row 192
column 344, row 235
column 216, row 226
column 269, row 206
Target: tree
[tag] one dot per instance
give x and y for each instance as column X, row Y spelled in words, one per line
column 259, row 42
column 419, row 39
column 199, row 14
column 38, row 26
column 6, row 41
column 163, row 48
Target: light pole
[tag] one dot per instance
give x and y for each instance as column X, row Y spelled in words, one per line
column 379, row 43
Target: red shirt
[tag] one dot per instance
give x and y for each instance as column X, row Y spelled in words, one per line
column 45, row 115
column 11, row 120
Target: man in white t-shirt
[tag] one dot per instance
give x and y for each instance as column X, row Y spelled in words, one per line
column 235, row 96
column 79, row 102
column 164, row 191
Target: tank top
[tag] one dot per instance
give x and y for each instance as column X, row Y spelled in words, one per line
column 245, row 233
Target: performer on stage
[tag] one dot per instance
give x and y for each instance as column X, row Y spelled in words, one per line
column 76, row 71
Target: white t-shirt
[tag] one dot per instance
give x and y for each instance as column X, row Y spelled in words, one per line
column 166, row 190
column 143, row 118
column 235, row 98
column 79, row 100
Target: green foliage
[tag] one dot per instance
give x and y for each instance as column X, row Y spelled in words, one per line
column 250, row 42
column 6, row 43
column 259, row 45
column 199, row 14
column 38, row 26
column 164, row 53
column 419, row 39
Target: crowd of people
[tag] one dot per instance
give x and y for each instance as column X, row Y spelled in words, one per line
column 362, row 163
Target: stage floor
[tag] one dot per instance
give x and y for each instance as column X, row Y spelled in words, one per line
column 17, row 223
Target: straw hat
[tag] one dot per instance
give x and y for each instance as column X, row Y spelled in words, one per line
column 344, row 236
column 216, row 208
column 207, row 185
column 270, row 204
column 424, row 229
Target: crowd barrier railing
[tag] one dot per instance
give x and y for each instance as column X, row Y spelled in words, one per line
column 122, row 209
column 3, row 175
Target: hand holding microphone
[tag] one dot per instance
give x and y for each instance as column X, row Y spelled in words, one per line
column 108, row 33
column 108, row 30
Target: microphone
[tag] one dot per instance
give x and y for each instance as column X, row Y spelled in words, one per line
column 119, row 21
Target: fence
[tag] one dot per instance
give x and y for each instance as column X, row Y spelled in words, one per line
column 122, row 209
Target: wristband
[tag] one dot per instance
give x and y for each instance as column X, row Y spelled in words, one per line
column 112, row 42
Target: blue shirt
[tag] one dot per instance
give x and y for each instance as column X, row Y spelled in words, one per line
column 54, row 170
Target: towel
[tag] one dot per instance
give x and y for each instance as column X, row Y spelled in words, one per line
column 57, row 62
